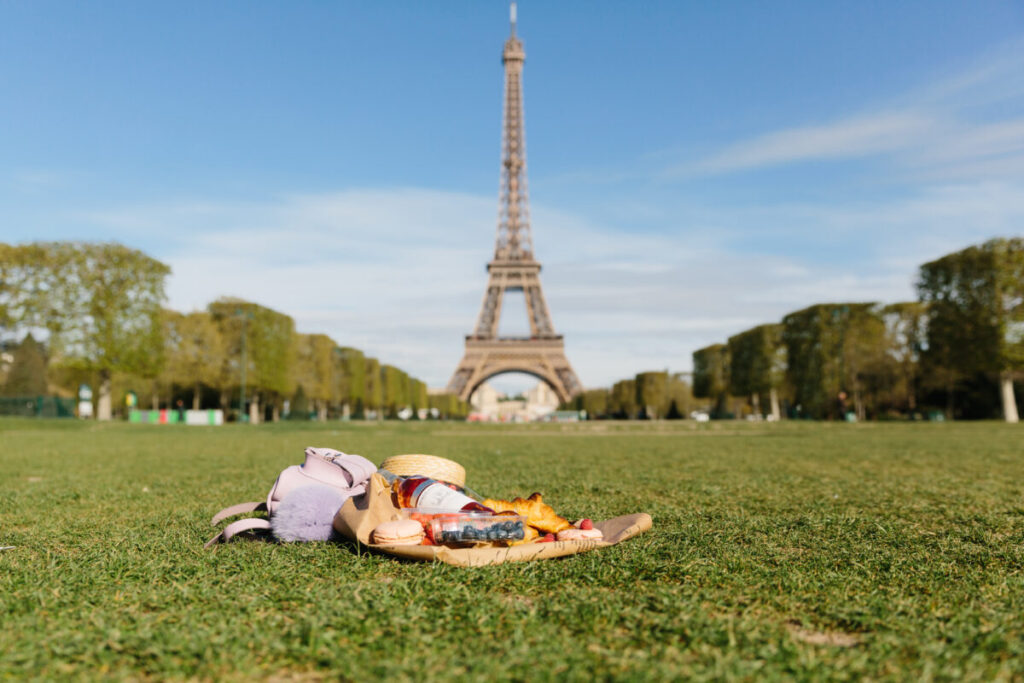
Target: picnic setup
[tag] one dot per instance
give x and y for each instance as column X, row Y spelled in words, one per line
column 415, row 507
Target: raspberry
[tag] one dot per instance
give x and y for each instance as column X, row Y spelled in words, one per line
column 586, row 525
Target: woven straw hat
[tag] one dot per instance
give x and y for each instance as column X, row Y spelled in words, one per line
column 431, row 466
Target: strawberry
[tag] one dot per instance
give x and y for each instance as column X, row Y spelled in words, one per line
column 586, row 525
column 549, row 538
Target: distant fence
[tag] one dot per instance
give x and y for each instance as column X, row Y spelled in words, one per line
column 169, row 417
column 37, row 406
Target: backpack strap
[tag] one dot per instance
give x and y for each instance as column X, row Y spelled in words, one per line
column 237, row 510
column 238, row 527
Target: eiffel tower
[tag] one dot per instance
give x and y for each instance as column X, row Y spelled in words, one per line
column 514, row 268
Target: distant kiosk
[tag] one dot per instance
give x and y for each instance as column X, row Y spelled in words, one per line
column 514, row 268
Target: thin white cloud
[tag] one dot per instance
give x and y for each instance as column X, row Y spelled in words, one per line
column 967, row 126
column 992, row 80
column 33, row 180
column 848, row 138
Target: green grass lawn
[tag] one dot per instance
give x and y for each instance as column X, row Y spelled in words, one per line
column 807, row 551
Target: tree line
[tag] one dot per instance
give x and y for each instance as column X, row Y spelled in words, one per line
column 958, row 349
column 648, row 395
column 78, row 312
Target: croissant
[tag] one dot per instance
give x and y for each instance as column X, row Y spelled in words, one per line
column 529, row 536
column 538, row 514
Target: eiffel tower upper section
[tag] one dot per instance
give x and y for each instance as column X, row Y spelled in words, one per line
column 514, row 242
column 514, row 266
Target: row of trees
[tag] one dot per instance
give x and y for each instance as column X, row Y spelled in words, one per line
column 958, row 347
column 99, row 309
column 204, row 351
column 649, row 395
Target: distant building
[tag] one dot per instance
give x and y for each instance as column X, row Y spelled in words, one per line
column 541, row 401
column 489, row 404
column 484, row 401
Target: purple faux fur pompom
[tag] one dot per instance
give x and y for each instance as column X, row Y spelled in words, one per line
column 307, row 514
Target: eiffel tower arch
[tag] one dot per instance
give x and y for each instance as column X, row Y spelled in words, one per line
column 514, row 269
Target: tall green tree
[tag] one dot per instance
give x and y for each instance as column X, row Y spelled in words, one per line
column 757, row 365
column 314, row 370
column 975, row 300
column 711, row 375
column 195, row 351
column 352, row 380
column 27, row 374
column 679, row 398
column 27, row 280
column 417, row 395
column 99, row 302
column 299, row 408
column 269, row 351
column 833, row 350
column 651, row 393
column 622, row 402
column 866, row 366
column 906, row 329
column 394, row 389
column 374, row 392
column 595, row 402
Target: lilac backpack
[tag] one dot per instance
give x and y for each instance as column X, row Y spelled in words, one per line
column 304, row 499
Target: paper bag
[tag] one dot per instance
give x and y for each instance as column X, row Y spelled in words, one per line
column 359, row 516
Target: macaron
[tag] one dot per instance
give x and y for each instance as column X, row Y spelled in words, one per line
column 398, row 532
column 574, row 534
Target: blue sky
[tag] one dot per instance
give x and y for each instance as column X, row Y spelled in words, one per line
column 695, row 168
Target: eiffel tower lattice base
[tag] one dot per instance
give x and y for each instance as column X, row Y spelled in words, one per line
column 543, row 358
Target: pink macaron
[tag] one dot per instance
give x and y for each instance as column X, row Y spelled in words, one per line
column 398, row 532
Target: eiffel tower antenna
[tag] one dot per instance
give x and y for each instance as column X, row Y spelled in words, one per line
column 514, row 267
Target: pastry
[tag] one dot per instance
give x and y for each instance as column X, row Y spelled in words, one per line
column 529, row 535
column 398, row 532
column 538, row 514
column 574, row 534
